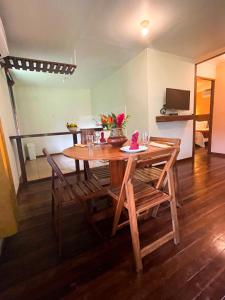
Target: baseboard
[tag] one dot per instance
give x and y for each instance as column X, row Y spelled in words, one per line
column 42, row 155
column 217, row 154
column 186, row 158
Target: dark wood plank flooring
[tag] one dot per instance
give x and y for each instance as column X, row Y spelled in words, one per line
column 104, row 269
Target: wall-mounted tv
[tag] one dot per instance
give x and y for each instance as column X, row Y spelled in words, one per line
column 177, row 99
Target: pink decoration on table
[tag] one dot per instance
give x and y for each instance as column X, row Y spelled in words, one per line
column 120, row 119
column 134, row 141
column 102, row 139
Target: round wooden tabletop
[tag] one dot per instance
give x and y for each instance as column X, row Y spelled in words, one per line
column 101, row 152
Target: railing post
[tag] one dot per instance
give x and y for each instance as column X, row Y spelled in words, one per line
column 77, row 163
column 21, row 160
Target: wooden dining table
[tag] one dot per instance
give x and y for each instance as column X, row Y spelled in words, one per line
column 117, row 158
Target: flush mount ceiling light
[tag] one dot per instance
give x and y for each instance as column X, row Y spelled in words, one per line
column 144, row 27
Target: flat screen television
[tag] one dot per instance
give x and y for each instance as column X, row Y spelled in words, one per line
column 177, row 99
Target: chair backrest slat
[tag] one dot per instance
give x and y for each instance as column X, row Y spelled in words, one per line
column 173, row 142
column 84, row 133
column 166, row 156
column 57, row 174
column 130, row 168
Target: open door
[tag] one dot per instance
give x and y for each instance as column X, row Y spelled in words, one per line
column 203, row 114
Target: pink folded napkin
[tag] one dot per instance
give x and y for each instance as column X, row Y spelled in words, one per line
column 134, row 141
column 102, row 139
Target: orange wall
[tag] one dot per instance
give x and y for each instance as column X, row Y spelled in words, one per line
column 218, row 128
column 202, row 104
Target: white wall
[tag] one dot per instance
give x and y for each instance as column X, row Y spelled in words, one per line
column 126, row 87
column 6, row 117
column 141, row 85
column 169, row 71
column 43, row 110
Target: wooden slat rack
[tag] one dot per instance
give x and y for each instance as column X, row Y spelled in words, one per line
column 28, row 64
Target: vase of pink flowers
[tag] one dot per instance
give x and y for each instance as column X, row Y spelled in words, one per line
column 116, row 124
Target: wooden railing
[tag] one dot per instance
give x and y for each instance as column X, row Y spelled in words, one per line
column 18, row 139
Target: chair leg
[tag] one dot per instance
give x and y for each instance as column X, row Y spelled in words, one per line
column 54, row 213
column 60, row 233
column 53, row 205
column 155, row 211
column 86, row 170
column 55, row 217
column 134, row 227
column 175, row 178
column 117, row 215
column 88, row 215
column 156, row 208
column 173, row 207
column 175, row 225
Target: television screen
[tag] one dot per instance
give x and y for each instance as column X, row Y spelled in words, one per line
column 177, row 99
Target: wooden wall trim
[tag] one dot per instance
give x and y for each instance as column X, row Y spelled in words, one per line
column 200, row 118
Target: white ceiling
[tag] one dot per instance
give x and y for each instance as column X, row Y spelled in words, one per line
column 106, row 33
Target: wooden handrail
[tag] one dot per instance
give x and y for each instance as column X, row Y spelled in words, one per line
column 18, row 139
column 23, row 136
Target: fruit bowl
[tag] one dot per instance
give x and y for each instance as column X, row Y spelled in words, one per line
column 72, row 127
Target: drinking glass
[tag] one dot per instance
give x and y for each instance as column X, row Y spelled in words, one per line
column 145, row 138
column 90, row 141
column 97, row 136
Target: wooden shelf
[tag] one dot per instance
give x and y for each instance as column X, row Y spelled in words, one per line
column 172, row 118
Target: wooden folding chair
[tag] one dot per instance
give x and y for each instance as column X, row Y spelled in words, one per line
column 64, row 194
column 151, row 174
column 138, row 198
column 101, row 173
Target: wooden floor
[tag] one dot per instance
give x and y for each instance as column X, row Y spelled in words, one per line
column 104, row 269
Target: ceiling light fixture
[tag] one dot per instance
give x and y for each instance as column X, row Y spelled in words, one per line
column 144, row 27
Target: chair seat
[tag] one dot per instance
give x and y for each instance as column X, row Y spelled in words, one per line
column 89, row 189
column 147, row 175
column 102, row 174
column 145, row 196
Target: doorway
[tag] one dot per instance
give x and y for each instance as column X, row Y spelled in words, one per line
column 203, row 114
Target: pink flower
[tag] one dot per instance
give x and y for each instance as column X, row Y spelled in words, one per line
column 120, row 119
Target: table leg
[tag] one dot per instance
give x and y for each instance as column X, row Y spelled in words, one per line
column 77, row 163
column 117, row 170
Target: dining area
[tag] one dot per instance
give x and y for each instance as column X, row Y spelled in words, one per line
column 136, row 178
column 137, row 223
column 102, row 194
